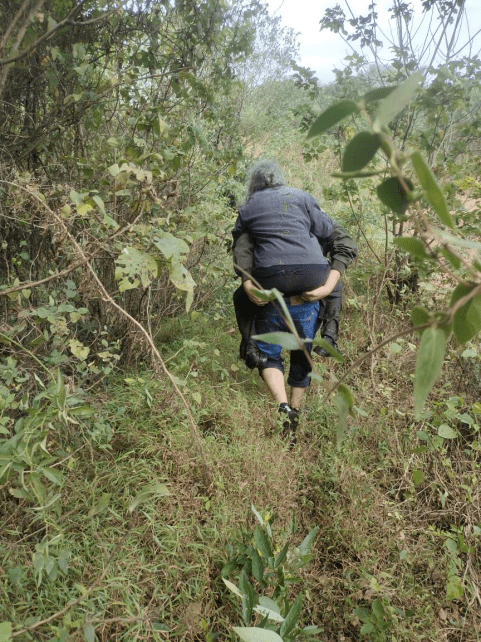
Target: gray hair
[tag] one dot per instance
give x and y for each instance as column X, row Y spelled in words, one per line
column 264, row 174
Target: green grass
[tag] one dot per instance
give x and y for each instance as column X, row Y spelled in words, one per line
column 154, row 573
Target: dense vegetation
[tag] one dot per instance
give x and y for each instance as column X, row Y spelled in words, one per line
column 146, row 493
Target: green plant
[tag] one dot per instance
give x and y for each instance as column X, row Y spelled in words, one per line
column 379, row 620
column 273, row 573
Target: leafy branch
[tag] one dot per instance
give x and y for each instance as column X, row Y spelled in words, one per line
column 398, row 193
column 155, row 352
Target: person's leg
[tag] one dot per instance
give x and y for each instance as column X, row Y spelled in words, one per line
column 328, row 320
column 245, row 311
column 305, row 319
column 274, row 379
column 296, row 397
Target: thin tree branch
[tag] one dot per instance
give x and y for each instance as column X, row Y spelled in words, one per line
column 476, row 291
column 48, row 34
column 106, row 297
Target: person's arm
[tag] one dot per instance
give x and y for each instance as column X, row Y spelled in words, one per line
column 250, row 289
column 339, row 247
column 243, row 255
column 324, row 290
column 243, row 261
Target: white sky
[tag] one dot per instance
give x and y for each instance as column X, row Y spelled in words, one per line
column 322, row 51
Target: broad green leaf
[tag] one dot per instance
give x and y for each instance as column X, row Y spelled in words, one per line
column 428, row 365
column 473, row 315
column 33, row 479
column 432, row 189
column 344, row 402
column 100, row 203
column 21, row 493
column 275, row 616
column 78, row 349
column 267, row 295
column 259, row 517
column 395, row 348
column 306, row 543
column 292, row 618
column 454, row 587
column 418, row 477
column 101, row 505
column 452, row 239
column 393, row 194
column 454, row 260
column 60, row 391
column 269, row 603
column 82, row 411
column 422, row 435
column 256, row 634
column 114, row 169
column 396, row 101
column 232, row 587
column 311, row 630
column 359, row 151
column 420, row 316
column 181, row 277
column 378, row 609
column 467, row 320
column 378, row 94
column 367, row 627
column 413, row 246
column 327, row 346
column 135, row 267
column 171, row 246
column 257, row 566
column 446, row 432
column 52, row 474
column 89, row 633
column 6, row 631
column 248, row 598
column 284, row 339
column 281, row 556
column 84, row 209
column 262, row 542
column 331, row 116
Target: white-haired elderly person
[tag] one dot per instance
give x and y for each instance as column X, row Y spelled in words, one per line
column 285, row 225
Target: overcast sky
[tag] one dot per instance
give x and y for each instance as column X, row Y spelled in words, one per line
column 322, row 51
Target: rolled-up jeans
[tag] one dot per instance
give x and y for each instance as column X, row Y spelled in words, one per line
column 304, row 316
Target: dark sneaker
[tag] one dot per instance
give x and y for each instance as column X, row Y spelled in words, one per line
column 322, row 352
column 290, row 423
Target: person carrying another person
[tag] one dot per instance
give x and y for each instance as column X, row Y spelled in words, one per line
column 285, row 226
column 341, row 250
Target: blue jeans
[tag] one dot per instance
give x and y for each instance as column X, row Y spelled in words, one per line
column 304, row 316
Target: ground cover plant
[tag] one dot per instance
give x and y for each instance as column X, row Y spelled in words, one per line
column 146, row 491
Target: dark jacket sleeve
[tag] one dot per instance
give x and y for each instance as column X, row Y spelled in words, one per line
column 243, row 255
column 340, row 248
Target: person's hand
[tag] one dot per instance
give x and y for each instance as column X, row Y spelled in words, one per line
column 324, row 290
column 250, row 290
